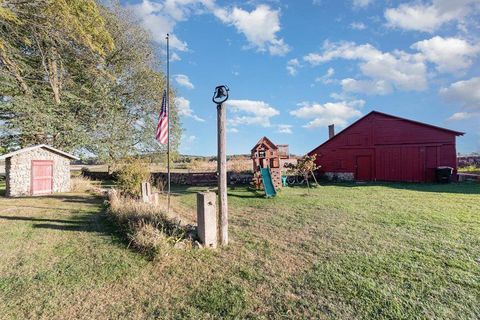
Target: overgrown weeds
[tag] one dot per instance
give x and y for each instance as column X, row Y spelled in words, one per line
column 147, row 226
column 81, row 184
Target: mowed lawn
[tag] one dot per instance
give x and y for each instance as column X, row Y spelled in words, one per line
column 341, row 251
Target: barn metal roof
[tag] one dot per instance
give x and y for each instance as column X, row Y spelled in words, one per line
column 457, row 133
column 40, row 146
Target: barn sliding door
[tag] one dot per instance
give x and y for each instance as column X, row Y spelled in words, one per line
column 42, row 177
column 364, row 168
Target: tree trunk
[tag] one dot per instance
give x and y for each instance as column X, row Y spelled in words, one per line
column 54, row 76
column 12, row 68
column 52, row 71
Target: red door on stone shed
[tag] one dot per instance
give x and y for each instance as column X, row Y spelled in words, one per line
column 42, row 177
column 364, row 168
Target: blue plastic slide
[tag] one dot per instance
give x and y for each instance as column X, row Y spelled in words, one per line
column 268, row 183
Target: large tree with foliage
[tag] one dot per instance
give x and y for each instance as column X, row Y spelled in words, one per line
column 78, row 76
column 137, row 92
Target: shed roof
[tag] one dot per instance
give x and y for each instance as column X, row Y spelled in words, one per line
column 457, row 133
column 40, row 146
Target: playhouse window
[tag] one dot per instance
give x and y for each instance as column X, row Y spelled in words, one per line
column 274, row 163
column 261, row 154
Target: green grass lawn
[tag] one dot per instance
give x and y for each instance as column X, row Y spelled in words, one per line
column 341, row 251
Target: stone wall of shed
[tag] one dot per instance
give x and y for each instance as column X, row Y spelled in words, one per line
column 19, row 169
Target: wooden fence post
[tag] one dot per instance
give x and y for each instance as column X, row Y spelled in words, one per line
column 222, row 174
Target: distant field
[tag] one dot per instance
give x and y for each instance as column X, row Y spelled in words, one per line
column 194, row 166
column 470, row 169
column 346, row 251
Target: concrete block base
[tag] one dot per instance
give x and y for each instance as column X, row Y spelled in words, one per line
column 207, row 219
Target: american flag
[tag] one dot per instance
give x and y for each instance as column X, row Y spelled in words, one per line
column 162, row 126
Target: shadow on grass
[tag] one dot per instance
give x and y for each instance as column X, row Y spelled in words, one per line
column 457, row 188
column 78, row 220
column 2, row 188
column 246, row 193
column 87, row 222
column 95, row 200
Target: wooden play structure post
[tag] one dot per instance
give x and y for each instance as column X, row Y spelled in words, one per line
column 219, row 97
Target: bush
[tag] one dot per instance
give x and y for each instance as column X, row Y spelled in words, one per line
column 81, row 184
column 130, row 177
column 147, row 226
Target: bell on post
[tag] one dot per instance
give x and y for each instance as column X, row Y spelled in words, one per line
column 220, row 95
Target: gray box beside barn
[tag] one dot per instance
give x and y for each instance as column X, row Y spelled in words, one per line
column 37, row 170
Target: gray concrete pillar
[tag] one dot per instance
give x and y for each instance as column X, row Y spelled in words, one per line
column 207, row 218
column 146, row 191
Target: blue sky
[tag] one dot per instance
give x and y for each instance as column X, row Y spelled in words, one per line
column 293, row 67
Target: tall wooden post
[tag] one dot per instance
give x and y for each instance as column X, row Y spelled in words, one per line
column 222, row 175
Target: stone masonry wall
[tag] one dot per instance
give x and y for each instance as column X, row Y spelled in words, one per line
column 19, row 169
column 340, row 176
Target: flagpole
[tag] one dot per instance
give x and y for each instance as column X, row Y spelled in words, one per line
column 168, row 123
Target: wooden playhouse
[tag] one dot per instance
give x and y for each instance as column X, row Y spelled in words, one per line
column 267, row 154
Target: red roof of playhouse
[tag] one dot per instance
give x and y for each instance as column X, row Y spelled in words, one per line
column 267, row 141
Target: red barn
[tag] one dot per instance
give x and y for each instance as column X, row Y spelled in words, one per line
column 382, row 147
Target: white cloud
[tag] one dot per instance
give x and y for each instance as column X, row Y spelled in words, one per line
column 342, row 96
column 361, row 3
column 284, row 128
column 190, row 139
column 292, row 66
column 249, row 112
column 184, row 109
column 174, row 57
column 465, row 92
column 187, row 142
column 161, row 18
column 430, row 17
column 380, row 87
column 232, row 130
column 458, row 116
column 260, row 27
column 184, row 81
column 358, row 26
column 327, row 77
column 449, row 54
column 321, row 115
column 398, row 68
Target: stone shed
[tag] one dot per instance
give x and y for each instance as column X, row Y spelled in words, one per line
column 37, row 170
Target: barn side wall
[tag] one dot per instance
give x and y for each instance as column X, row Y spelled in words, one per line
column 398, row 150
column 19, row 168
